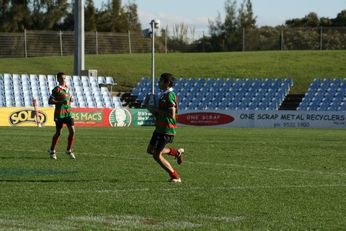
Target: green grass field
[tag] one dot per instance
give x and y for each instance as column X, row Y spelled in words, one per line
column 301, row 66
column 233, row 179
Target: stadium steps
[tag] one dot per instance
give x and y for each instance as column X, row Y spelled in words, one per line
column 291, row 102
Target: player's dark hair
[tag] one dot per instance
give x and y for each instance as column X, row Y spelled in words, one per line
column 168, row 78
column 60, row 74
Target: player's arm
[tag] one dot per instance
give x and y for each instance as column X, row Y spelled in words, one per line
column 70, row 96
column 172, row 106
column 170, row 111
column 152, row 109
column 52, row 100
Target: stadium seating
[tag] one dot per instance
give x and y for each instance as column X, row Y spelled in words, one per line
column 19, row 90
column 325, row 95
column 223, row 94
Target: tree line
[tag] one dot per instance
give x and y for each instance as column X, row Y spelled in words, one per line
column 236, row 31
column 17, row 15
column 229, row 34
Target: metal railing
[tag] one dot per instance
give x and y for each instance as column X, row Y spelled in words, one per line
column 61, row 43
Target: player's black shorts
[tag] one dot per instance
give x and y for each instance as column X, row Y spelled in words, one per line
column 159, row 140
column 59, row 123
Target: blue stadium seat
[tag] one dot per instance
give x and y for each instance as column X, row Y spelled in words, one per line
column 325, row 95
column 210, row 93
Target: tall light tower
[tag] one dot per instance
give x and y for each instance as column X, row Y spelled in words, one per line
column 155, row 24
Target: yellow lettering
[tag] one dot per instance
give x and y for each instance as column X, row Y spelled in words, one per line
column 84, row 116
column 99, row 115
column 41, row 117
column 23, row 116
column 14, row 118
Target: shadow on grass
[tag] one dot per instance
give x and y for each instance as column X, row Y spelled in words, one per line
column 54, row 181
column 23, row 158
column 33, row 172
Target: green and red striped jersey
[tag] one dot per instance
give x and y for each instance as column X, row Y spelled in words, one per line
column 60, row 93
column 165, row 123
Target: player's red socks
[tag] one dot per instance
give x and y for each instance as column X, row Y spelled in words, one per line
column 174, row 175
column 173, row 152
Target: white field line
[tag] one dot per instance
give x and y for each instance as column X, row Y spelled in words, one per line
column 115, row 222
column 271, row 168
column 275, row 169
column 25, row 223
column 139, row 221
column 130, row 221
column 133, row 190
column 219, row 219
column 129, row 190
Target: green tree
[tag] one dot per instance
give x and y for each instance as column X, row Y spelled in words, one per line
column 250, row 18
column 340, row 19
column 115, row 15
column 217, row 33
column 310, row 20
column 49, row 14
column 56, row 13
column 68, row 21
column 216, row 28
column 18, row 17
column 4, row 15
column 133, row 23
column 230, row 25
column 90, row 16
column 228, row 34
column 38, row 15
column 112, row 18
column 325, row 22
column 246, row 18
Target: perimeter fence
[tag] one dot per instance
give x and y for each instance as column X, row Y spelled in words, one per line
column 61, row 43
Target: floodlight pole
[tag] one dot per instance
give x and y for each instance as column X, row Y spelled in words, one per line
column 152, row 24
column 79, row 37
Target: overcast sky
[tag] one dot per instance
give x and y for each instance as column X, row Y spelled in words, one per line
column 197, row 12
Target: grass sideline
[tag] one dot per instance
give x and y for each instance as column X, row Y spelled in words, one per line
column 301, row 66
column 233, row 179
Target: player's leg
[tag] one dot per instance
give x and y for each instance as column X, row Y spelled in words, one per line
column 177, row 153
column 158, row 142
column 70, row 138
column 159, row 158
column 156, row 153
column 55, row 139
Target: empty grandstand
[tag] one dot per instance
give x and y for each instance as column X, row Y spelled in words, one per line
column 224, row 93
column 19, row 90
column 325, row 95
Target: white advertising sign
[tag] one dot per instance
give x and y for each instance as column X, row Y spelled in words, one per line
column 264, row 119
